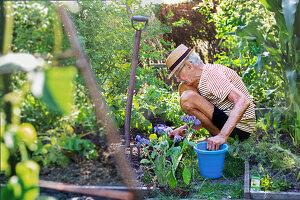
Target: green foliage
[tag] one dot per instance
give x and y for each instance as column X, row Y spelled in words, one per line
column 33, row 27
column 50, row 153
column 271, row 183
column 263, row 49
column 166, row 155
column 57, row 149
column 153, row 101
column 282, row 53
column 41, row 117
column 244, row 55
column 24, row 184
column 233, row 167
column 108, row 38
column 76, row 144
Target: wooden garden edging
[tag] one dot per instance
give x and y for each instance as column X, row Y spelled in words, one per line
column 248, row 194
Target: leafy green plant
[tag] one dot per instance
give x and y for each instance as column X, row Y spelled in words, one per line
column 76, row 144
column 166, row 155
column 268, row 183
column 50, row 153
column 281, row 44
column 108, row 38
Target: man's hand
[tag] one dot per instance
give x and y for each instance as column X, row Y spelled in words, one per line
column 179, row 131
column 213, row 143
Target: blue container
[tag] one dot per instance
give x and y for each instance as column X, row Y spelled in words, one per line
column 211, row 163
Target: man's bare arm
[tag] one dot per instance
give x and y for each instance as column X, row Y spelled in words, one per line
column 241, row 103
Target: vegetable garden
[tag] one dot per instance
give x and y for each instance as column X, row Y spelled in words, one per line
column 64, row 76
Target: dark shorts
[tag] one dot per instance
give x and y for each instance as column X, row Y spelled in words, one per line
column 219, row 119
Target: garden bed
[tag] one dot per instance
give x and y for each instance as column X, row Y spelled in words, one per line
column 292, row 193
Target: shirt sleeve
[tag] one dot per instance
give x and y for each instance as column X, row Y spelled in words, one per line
column 218, row 84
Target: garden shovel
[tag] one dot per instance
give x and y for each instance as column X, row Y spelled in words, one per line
column 133, row 73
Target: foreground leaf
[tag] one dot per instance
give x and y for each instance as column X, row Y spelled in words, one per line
column 186, row 174
column 172, row 180
column 57, row 92
column 12, row 62
column 144, row 161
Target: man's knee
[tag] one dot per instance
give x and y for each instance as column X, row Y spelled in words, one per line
column 183, row 87
column 187, row 100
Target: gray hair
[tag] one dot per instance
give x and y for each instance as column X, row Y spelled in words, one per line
column 194, row 59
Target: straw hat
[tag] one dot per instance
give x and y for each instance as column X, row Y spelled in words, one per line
column 177, row 58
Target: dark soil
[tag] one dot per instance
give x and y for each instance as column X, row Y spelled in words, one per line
column 101, row 170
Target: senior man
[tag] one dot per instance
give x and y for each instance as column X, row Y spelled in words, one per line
column 214, row 94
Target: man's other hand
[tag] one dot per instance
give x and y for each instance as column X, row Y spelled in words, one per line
column 179, row 131
column 214, row 143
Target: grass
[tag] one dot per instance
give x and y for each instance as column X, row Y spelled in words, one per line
column 214, row 190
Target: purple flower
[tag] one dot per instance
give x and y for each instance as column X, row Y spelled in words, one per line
column 162, row 129
column 190, row 119
column 163, row 143
column 146, row 141
column 177, row 138
column 138, row 138
column 139, row 143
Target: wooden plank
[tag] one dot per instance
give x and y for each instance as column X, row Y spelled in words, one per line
column 274, row 195
column 246, row 181
column 93, row 191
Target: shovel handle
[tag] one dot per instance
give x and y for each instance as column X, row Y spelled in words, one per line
column 139, row 19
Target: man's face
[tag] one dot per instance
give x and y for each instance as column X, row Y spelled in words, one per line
column 184, row 74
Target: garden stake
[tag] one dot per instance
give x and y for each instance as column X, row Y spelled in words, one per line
column 133, row 74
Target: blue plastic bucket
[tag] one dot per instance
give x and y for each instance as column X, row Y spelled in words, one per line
column 211, row 163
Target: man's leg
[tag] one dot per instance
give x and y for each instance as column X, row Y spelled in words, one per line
column 192, row 103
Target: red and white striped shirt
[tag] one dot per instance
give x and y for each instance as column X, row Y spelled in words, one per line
column 216, row 82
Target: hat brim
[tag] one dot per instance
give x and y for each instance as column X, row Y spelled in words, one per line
column 179, row 65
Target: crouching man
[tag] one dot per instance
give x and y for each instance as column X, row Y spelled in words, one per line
column 213, row 93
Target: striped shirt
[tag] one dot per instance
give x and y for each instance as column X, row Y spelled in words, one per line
column 216, row 82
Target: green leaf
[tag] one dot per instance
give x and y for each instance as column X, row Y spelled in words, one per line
column 292, row 76
column 258, row 63
column 289, row 8
column 12, row 62
column 280, row 22
column 272, row 5
column 250, row 31
column 145, row 161
column 297, row 128
column 297, row 44
column 174, row 153
column 77, row 144
column 297, row 22
column 69, row 144
column 28, row 172
column 4, row 157
column 191, row 143
column 172, row 180
column 57, row 91
column 153, row 154
column 159, row 170
column 186, row 174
